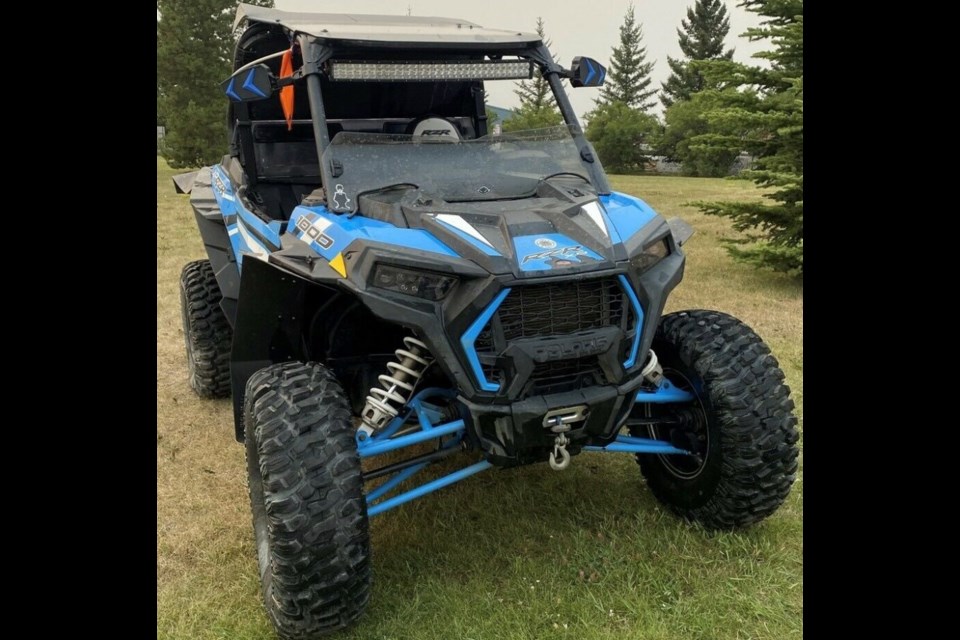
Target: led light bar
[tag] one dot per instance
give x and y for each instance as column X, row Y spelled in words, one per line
column 427, row 71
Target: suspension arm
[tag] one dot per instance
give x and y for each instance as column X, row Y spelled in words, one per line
column 425, row 459
column 630, row 444
column 430, row 487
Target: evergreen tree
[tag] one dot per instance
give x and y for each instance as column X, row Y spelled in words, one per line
column 629, row 73
column 535, row 93
column 538, row 107
column 194, row 54
column 685, row 122
column 619, row 134
column 701, row 38
column 761, row 110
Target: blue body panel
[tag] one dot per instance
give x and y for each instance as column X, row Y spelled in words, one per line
column 546, row 251
column 241, row 223
column 628, row 214
column 343, row 230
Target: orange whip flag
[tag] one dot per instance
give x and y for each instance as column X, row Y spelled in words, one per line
column 286, row 94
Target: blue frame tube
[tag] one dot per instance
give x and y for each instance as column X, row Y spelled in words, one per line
column 383, row 442
column 415, row 404
column 400, row 476
column 376, row 447
column 630, row 444
column 390, row 484
column 641, row 441
column 429, row 487
column 622, row 447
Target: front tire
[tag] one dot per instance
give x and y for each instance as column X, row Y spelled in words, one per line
column 741, row 425
column 306, row 493
column 206, row 332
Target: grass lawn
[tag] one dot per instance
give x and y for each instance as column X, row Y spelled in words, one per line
column 523, row 553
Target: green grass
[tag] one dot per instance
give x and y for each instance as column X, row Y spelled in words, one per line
column 523, row 553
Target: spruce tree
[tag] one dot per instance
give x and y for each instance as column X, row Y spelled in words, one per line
column 194, row 54
column 701, row 38
column 535, row 94
column 760, row 110
column 538, row 107
column 619, row 134
column 629, row 73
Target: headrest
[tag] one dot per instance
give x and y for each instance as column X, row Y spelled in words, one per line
column 436, row 130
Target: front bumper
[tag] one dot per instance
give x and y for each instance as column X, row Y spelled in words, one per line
column 506, row 413
column 515, row 434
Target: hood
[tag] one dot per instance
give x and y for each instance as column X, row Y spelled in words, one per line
column 560, row 231
column 563, row 230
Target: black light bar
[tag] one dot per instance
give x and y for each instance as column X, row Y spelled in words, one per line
column 343, row 70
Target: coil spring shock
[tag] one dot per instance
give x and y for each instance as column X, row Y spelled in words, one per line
column 652, row 371
column 396, row 388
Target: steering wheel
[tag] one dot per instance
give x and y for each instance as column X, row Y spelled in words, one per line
column 566, row 173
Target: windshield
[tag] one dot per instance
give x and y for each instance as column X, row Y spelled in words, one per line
column 490, row 168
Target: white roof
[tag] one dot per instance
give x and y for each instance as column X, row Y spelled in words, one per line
column 377, row 28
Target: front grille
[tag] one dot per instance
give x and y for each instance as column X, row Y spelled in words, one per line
column 541, row 310
column 551, row 309
column 565, row 375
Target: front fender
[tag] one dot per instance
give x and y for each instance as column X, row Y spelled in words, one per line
column 268, row 328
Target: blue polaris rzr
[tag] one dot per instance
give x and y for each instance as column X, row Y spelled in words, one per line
column 385, row 272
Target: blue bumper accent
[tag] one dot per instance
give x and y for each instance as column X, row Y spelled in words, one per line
column 470, row 337
column 635, row 303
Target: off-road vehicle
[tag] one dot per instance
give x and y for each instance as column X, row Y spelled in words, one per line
column 384, row 272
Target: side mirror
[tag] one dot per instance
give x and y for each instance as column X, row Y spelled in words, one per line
column 586, row 72
column 247, row 85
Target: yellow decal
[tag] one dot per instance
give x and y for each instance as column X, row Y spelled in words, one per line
column 338, row 265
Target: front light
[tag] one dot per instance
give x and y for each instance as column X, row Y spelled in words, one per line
column 651, row 255
column 422, row 284
column 431, row 71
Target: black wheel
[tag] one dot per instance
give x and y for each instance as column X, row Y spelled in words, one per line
column 740, row 428
column 205, row 330
column 306, row 492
